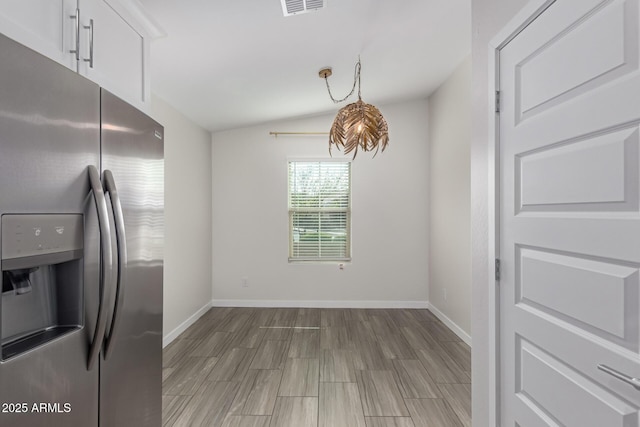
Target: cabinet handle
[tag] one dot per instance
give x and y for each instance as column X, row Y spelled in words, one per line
column 90, row 28
column 76, row 17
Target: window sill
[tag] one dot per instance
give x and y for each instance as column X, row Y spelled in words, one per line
column 320, row 261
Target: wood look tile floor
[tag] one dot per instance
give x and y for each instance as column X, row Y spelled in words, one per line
column 289, row 367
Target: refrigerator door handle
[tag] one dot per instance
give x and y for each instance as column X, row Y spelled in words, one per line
column 121, row 244
column 106, row 264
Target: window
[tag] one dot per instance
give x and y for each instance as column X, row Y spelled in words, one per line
column 319, row 211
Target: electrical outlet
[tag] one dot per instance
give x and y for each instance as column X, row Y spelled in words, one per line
column 245, row 281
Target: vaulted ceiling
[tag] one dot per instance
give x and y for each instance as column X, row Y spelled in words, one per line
column 234, row 63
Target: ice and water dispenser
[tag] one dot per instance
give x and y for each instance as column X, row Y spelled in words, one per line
column 42, row 280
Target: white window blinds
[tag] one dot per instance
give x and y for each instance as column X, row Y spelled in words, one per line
column 319, row 211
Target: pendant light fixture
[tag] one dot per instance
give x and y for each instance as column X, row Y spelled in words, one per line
column 358, row 125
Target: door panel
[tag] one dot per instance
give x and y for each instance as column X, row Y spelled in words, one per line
column 542, row 379
column 570, row 217
column 601, row 171
column 551, row 281
column 603, row 46
column 130, row 386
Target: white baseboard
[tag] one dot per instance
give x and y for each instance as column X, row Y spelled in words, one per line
column 315, row 304
column 450, row 324
column 318, row 304
column 166, row 340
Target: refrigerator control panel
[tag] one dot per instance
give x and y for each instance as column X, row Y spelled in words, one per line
column 32, row 235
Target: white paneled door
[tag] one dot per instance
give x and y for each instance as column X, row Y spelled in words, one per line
column 570, row 218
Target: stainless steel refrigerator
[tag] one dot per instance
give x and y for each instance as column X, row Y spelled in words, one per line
column 82, row 225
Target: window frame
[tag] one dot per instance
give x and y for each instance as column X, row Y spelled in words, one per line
column 291, row 211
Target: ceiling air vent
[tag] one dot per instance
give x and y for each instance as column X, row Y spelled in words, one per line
column 295, row 7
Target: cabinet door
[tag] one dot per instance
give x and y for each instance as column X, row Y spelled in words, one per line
column 45, row 26
column 119, row 52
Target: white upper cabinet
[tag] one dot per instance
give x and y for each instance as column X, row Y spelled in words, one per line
column 111, row 38
column 113, row 52
column 45, row 26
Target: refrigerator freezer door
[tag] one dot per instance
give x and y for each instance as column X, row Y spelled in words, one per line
column 131, row 374
column 49, row 134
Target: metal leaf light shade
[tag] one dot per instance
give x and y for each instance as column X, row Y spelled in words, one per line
column 358, row 126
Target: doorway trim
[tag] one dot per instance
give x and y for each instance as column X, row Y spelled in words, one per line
column 519, row 22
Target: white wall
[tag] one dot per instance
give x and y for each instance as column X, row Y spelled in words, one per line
column 389, row 217
column 450, row 218
column 187, row 264
column 488, row 17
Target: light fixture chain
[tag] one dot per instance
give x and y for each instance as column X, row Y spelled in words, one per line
column 359, row 68
column 356, row 79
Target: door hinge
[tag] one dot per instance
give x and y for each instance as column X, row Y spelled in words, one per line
column 497, row 101
column 497, row 269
